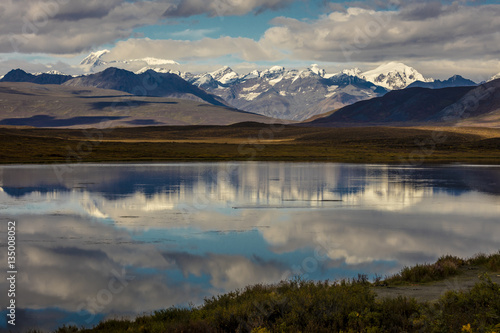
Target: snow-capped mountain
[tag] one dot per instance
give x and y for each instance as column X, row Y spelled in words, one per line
column 287, row 94
column 300, row 94
column 494, row 77
column 95, row 60
column 394, row 75
column 52, row 72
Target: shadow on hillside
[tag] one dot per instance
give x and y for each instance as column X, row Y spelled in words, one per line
column 6, row 90
column 49, row 121
column 124, row 104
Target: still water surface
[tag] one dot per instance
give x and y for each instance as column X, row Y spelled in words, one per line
column 121, row 239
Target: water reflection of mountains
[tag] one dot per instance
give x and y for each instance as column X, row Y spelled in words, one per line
column 115, row 181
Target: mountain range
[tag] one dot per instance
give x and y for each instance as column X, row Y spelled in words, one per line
column 286, row 94
column 300, row 95
column 392, row 93
column 296, row 94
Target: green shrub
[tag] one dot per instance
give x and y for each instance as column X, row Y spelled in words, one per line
column 479, row 308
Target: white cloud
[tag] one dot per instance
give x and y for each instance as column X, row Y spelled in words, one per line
column 62, row 27
column 367, row 35
column 245, row 48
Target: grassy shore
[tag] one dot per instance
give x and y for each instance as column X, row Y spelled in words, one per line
column 341, row 306
column 252, row 141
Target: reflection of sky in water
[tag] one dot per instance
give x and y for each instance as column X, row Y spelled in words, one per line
column 98, row 240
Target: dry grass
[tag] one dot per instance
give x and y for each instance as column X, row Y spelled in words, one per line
column 252, row 141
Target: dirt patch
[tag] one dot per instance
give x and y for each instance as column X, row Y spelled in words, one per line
column 431, row 292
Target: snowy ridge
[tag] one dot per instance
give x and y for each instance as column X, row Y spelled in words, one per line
column 494, row 77
column 318, row 71
column 156, row 69
column 94, row 60
column 356, row 72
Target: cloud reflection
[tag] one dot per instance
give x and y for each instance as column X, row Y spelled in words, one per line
column 175, row 230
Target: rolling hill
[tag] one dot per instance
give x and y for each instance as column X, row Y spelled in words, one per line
column 28, row 104
column 149, row 83
column 473, row 106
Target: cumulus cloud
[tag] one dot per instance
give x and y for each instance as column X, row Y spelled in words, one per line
column 413, row 32
column 244, row 48
column 69, row 27
column 186, row 8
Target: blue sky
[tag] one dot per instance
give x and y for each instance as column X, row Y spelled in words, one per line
column 438, row 38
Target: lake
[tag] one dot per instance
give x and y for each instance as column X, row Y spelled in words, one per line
column 108, row 240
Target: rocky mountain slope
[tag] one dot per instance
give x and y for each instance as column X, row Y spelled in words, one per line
column 286, row 94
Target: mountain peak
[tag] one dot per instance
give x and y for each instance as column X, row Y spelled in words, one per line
column 225, row 75
column 273, row 72
column 394, row 75
column 94, row 59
